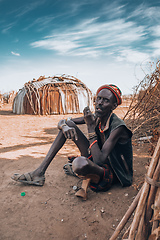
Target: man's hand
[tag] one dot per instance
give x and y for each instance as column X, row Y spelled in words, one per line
column 69, row 132
column 89, row 118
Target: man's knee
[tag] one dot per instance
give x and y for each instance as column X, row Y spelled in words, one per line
column 80, row 165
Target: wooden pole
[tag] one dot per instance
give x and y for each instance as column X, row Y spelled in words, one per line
column 126, row 216
column 139, row 235
column 143, row 197
column 156, row 216
column 151, row 199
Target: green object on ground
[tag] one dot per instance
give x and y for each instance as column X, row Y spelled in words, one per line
column 23, row 193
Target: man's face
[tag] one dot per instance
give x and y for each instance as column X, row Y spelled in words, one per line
column 104, row 103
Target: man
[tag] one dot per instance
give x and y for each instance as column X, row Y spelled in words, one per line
column 106, row 156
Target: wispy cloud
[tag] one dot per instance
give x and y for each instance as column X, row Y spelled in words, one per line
column 75, row 6
column 155, row 46
column 26, row 8
column 15, row 54
column 131, row 55
column 155, row 31
column 112, row 10
column 152, row 13
column 143, row 11
column 93, row 38
column 7, row 27
column 61, row 45
column 41, row 23
column 13, row 17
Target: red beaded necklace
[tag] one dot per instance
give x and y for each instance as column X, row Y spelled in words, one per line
column 102, row 131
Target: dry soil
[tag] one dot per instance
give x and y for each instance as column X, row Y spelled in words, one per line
column 53, row 211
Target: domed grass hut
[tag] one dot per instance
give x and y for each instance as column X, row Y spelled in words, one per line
column 53, row 95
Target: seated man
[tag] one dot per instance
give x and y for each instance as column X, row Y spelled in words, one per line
column 106, row 156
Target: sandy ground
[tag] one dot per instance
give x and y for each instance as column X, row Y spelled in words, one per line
column 53, row 211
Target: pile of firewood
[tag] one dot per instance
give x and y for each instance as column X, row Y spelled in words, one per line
column 146, row 221
column 144, row 111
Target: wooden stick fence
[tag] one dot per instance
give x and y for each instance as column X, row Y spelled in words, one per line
column 140, row 228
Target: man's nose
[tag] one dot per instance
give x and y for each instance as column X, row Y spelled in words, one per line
column 100, row 101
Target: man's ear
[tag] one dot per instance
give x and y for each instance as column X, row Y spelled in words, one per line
column 114, row 106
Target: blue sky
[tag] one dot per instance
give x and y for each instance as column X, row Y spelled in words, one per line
column 98, row 41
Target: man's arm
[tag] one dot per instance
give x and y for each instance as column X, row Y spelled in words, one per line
column 77, row 121
column 100, row 155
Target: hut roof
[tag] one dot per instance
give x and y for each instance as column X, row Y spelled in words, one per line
column 42, row 81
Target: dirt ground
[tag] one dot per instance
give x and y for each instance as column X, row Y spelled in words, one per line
column 53, row 211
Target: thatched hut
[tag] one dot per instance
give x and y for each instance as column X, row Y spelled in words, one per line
column 53, row 95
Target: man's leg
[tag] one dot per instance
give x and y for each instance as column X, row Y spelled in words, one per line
column 82, row 166
column 97, row 177
column 89, row 172
column 82, row 143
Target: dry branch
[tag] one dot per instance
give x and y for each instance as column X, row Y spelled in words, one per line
column 137, row 230
column 143, row 115
column 144, row 194
column 151, row 198
column 156, row 216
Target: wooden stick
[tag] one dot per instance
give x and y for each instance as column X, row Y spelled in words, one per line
column 156, row 215
column 126, row 216
column 145, row 190
column 126, row 233
column 144, row 122
column 140, row 235
column 151, row 198
column 83, row 191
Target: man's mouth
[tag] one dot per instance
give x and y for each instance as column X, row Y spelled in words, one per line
column 98, row 109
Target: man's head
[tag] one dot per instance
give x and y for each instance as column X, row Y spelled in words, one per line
column 108, row 97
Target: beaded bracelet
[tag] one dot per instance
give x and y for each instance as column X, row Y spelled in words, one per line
column 92, row 135
column 92, row 144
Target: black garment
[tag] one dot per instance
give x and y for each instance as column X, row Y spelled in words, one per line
column 121, row 157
